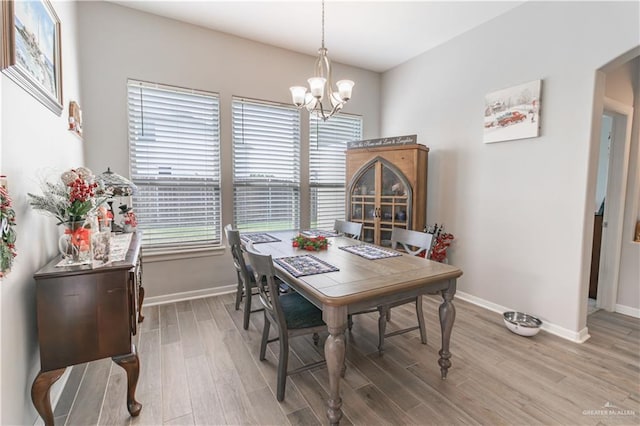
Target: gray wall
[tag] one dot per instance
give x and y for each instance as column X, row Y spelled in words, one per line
column 119, row 43
column 35, row 143
column 518, row 208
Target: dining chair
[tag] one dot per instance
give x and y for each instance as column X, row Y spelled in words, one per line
column 413, row 243
column 350, row 229
column 246, row 280
column 290, row 313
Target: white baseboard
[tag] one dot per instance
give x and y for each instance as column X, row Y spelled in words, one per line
column 189, row 295
column 577, row 337
column 628, row 310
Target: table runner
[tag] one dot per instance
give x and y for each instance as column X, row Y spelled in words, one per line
column 258, row 237
column 370, row 252
column 306, row 264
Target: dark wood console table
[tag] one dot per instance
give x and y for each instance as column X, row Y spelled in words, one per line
column 86, row 314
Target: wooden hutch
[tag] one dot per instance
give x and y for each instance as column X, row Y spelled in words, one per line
column 387, row 187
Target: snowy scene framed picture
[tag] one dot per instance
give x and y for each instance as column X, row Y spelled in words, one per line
column 31, row 49
column 512, row 113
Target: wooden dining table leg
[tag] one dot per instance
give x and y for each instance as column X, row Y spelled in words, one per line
column 334, row 352
column 447, row 316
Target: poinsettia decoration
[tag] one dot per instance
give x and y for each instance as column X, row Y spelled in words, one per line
column 439, row 250
column 310, row 243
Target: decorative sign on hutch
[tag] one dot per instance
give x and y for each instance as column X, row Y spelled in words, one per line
column 396, row 140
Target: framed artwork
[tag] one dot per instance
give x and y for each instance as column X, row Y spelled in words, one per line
column 512, row 113
column 31, row 49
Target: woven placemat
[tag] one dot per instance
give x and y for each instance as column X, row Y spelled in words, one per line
column 370, row 252
column 306, row 264
column 258, row 237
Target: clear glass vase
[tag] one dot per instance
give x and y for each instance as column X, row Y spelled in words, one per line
column 75, row 242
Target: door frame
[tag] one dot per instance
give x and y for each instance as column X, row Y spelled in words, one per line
column 616, row 194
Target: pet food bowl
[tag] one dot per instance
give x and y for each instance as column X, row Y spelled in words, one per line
column 521, row 323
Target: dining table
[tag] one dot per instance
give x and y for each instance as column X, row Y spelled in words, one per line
column 350, row 276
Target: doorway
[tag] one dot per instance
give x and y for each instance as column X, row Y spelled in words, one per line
column 600, row 197
column 610, row 200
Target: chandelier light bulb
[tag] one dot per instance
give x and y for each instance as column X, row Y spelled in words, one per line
column 298, row 94
column 344, row 89
column 316, row 84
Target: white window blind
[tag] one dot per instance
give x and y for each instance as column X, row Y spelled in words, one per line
column 174, row 150
column 327, row 166
column 266, row 166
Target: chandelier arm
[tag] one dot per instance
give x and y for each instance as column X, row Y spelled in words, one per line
column 335, row 109
column 322, row 114
column 319, row 65
column 329, row 77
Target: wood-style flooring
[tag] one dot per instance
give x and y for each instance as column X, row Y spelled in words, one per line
column 199, row 367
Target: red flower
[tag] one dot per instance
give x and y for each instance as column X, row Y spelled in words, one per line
column 310, row 244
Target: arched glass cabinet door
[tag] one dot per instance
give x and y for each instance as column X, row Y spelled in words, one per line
column 394, row 203
column 362, row 202
column 380, row 198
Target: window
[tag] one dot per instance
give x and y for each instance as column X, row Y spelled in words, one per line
column 327, row 168
column 174, row 152
column 266, row 166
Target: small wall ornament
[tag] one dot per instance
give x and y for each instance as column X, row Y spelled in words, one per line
column 75, row 118
column 7, row 232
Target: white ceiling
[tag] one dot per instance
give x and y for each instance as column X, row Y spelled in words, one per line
column 374, row 35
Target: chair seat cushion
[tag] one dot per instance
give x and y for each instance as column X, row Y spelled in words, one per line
column 299, row 312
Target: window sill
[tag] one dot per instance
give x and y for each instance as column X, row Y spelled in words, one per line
column 162, row 255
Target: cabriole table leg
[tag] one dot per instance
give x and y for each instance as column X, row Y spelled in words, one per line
column 40, row 393
column 131, row 365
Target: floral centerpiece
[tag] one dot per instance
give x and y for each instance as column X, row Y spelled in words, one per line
column 7, row 233
column 310, row 243
column 71, row 200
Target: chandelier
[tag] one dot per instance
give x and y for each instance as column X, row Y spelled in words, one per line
column 321, row 87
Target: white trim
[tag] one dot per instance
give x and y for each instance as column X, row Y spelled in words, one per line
column 189, row 295
column 612, row 231
column 577, row 337
column 628, row 310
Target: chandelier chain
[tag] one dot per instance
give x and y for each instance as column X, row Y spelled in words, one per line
column 323, row 24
